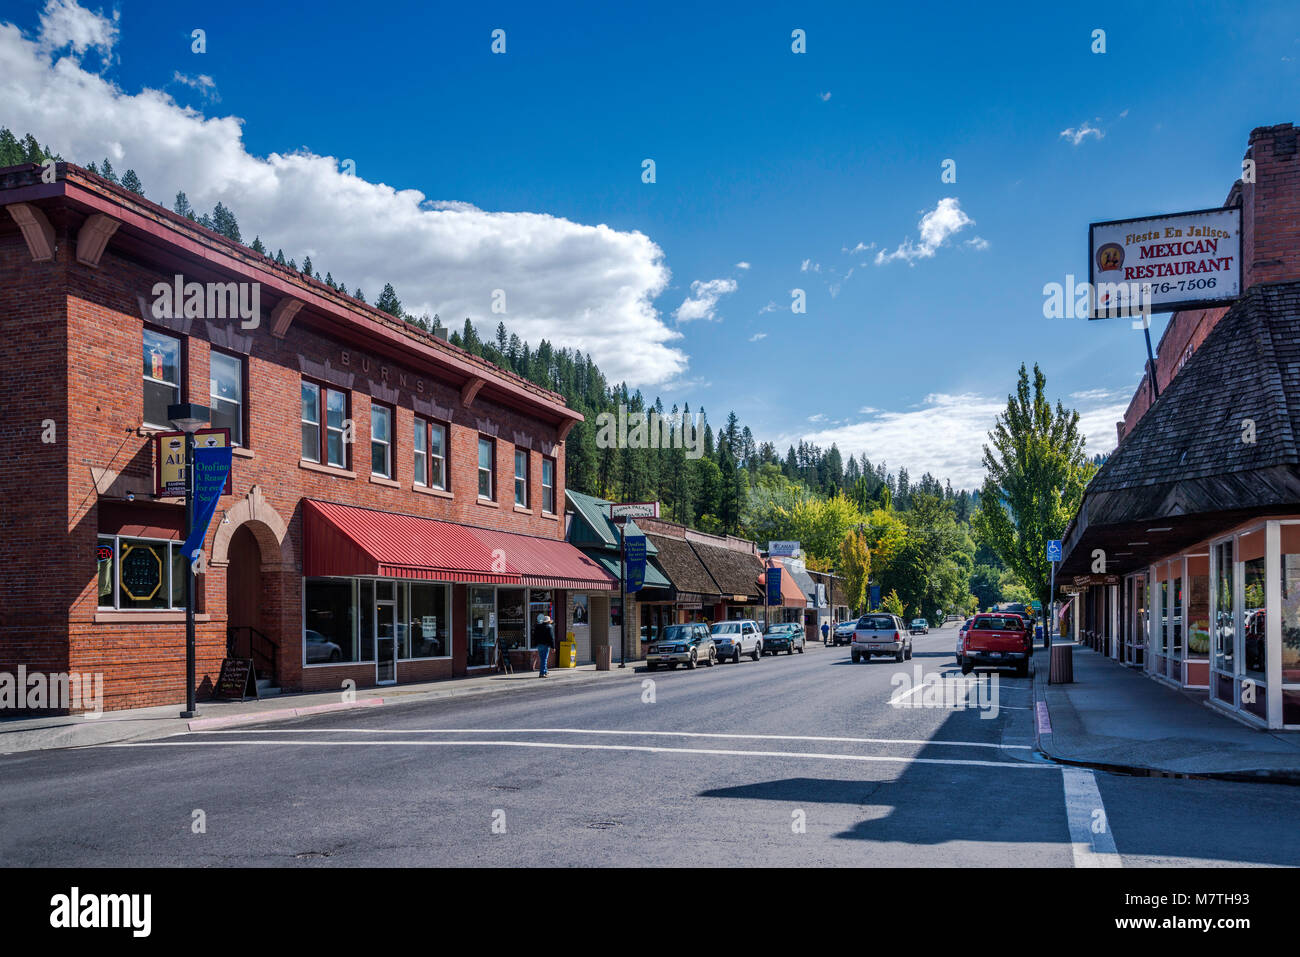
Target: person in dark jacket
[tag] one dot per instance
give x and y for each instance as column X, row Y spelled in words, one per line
column 543, row 638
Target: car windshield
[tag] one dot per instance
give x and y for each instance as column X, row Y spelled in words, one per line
column 997, row 624
column 676, row 633
column 727, row 628
column 773, row 629
column 918, row 621
column 876, row 623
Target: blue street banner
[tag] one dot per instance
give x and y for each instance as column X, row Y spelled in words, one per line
column 211, row 467
column 634, row 551
column 1054, row 550
column 875, row 597
column 774, row 585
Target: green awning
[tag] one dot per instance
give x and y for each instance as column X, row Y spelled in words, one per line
column 654, row 578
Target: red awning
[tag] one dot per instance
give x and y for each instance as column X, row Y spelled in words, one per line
column 342, row 540
column 547, row 562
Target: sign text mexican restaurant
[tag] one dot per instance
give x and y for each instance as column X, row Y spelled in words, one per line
column 1164, row 263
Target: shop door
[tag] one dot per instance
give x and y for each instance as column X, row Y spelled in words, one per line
column 385, row 635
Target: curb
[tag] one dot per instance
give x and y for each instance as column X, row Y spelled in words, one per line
column 279, row 714
column 1043, row 713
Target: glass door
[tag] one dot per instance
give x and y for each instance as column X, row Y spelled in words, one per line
column 385, row 633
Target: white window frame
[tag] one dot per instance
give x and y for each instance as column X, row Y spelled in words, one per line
column 521, row 481
column 490, row 470
column 175, row 386
column 317, row 424
column 117, row 575
column 236, row 438
column 548, row 488
column 378, row 409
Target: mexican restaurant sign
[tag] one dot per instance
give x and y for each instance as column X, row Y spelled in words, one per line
column 1164, row 263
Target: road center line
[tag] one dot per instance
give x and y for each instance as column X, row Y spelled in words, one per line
column 715, row 752
column 1091, row 841
column 678, row 734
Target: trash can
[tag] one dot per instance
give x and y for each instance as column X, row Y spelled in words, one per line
column 1038, row 633
column 1061, row 670
column 568, row 653
column 602, row 657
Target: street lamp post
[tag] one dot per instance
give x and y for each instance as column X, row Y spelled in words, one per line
column 189, row 418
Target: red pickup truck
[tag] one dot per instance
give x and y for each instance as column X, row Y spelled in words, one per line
column 994, row 640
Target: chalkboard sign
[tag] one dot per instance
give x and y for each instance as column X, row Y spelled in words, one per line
column 236, row 679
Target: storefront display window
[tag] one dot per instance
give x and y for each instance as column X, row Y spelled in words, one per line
column 542, row 603
column 330, row 625
column 427, row 632
column 136, row 574
column 1198, row 607
column 1290, row 629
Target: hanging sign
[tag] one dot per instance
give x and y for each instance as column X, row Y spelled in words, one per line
column 782, row 549
column 774, row 585
column 169, row 459
column 634, row 554
column 626, row 510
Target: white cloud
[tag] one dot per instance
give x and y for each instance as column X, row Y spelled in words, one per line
column 945, row 435
column 65, row 24
column 742, row 265
column 825, row 96
column 936, row 228
column 588, row 287
column 977, row 242
column 203, row 83
column 703, row 300
column 770, row 307
column 809, row 266
column 757, row 336
column 1077, row 135
column 819, row 417
column 859, row 248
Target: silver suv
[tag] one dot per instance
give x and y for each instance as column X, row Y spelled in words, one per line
column 737, row 637
column 880, row 633
column 688, row 645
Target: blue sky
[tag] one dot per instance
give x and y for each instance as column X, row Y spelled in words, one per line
column 785, row 162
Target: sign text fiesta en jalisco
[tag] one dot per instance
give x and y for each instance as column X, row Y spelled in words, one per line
column 1178, row 261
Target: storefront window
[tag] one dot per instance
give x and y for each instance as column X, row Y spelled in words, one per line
column 428, row 632
column 482, row 626
column 1224, row 626
column 512, row 625
column 162, row 377
column 366, row 619
column 139, row 574
column 226, row 394
column 1198, row 609
column 1162, row 633
column 330, row 625
column 1176, row 619
column 542, row 603
column 1291, row 624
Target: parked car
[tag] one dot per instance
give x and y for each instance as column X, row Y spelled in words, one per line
column 682, row 645
column 788, row 637
column 961, row 637
column 737, row 637
column 879, row 633
column 842, row 634
column 919, row 626
column 997, row 640
column 320, row 648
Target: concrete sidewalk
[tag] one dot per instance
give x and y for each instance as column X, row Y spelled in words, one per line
column 1117, row 718
column 75, row 731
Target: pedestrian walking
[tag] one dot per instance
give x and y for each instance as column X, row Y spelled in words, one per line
column 543, row 638
column 826, row 633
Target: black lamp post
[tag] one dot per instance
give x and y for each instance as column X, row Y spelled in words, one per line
column 189, row 418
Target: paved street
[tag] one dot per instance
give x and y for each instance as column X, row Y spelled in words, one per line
column 796, row 760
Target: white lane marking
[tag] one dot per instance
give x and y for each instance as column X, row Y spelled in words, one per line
column 1091, row 841
column 717, row 752
column 675, row 734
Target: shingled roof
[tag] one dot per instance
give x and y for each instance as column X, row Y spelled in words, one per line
column 1190, row 453
column 736, row 572
column 682, row 566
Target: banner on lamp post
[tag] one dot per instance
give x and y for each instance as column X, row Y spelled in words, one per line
column 634, row 555
column 211, row 472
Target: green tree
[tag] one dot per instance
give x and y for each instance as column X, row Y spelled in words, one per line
column 259, row 248
column 132, row 182
column 223, row 221
column 894, row 605
column 986, row 585
column 855, row 566
column 1036, row 471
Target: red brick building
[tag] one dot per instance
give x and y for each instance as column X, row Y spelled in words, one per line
column 397, row 503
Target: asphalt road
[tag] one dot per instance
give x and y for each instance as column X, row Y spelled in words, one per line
column 795, row 760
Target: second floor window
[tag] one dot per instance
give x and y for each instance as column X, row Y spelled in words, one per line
column 430, row 454
column 548, row 485
column 521, row 477
column 486, row 467
column 226, row 380
column 381, row 441
column 325, row 407
column 162, row 377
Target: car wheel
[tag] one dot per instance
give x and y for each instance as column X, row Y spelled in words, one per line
column 712, row 660
column 652, row 666
column 690, row 665
column 966, row 667
column 899, row 655
column 801, row 647
column 1022, row 669
column 757, row 652
column 857, row 656
column 908, row 655
column 735, row 655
